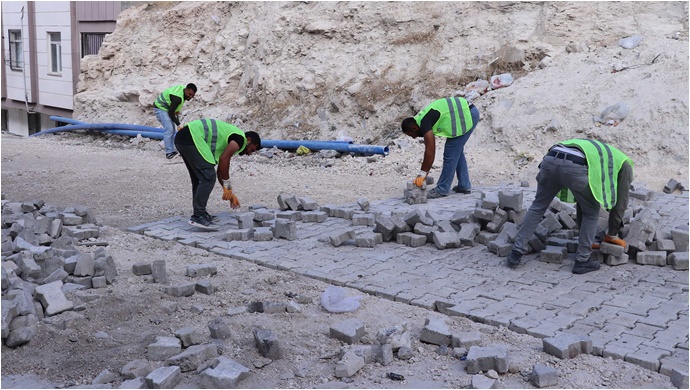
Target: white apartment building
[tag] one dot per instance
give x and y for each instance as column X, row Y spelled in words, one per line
column 42, row 45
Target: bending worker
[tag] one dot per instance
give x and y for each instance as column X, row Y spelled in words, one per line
column 598, row 175
column 454, row 119
column 203, row 143
column 166, row 107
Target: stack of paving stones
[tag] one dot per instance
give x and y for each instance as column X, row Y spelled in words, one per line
column 495, row 220
column 41, row 263
column 417, row 195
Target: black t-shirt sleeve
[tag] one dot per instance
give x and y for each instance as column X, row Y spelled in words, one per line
column 429, row 120
column 174, row 102
column 238, row 139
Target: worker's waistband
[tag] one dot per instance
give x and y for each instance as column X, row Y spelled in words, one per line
column 567, row 156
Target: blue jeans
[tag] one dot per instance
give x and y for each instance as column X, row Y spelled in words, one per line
column 454, row 163
column 169, row 127
column 554, row 175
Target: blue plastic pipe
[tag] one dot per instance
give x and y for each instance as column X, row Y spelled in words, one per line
column 66, row 120
column 338, row 146
column 103, row 126
column 157, row 133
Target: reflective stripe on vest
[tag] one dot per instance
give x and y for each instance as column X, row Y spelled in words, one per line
column 214, row 133
column 451, row 110
column 163, row 100
column 603, row 165
column 211, row 138
column 607, row 171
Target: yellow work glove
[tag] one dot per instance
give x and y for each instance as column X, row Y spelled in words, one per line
column 419, row 180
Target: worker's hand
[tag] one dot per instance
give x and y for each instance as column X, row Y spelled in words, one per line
column 179, row 127
column 228, row 195
column 419, row 180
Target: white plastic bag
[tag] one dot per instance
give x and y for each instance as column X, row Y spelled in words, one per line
column 481, row 86
column 334, row 300
column 501, row 80
column 630, row 42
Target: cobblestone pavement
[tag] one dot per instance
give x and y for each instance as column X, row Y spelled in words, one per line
column 634, row 312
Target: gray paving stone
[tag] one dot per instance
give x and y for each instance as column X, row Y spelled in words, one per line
column 487, row 358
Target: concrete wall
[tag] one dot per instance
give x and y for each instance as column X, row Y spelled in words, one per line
column 54, row 89
column 14, row 79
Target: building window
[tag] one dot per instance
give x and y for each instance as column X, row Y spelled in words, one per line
column 55, row 57
column 16, row 50
column 91, row 43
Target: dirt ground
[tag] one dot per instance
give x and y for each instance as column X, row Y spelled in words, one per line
column 127, row 184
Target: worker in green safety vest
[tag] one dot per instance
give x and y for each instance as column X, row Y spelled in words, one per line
column 167, row 107
column 454, row 119
column 203, row 144
column 597, row 175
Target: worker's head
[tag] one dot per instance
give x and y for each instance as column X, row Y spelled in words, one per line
column 410, row 127
column 253, row 143
column 189, row 91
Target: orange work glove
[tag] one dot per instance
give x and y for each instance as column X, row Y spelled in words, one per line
column 419, row 180
column 228, row 195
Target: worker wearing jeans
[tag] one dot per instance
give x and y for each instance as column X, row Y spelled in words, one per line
column 591, row 170
column 166, row 107
column 454, row 119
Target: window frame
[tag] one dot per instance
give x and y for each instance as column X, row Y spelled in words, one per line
column 16, row 45
column 54, row 69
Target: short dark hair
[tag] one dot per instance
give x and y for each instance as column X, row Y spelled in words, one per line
column 192, row 87
column 256, row 140
column 407, row 124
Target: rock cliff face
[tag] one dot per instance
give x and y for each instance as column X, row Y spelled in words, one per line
column 317, row 70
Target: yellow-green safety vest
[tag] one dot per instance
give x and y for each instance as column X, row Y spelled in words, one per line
column 211, row 137
column 565, row 195
column 603, row 165
column 455, row 119
column 163, row 100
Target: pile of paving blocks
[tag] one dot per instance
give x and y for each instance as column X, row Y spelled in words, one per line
column 417, row 195
column 494, row 222
column 40, row 262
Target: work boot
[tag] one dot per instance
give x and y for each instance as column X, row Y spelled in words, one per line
column 583, row 267
column 513, row 259
column 614, row 240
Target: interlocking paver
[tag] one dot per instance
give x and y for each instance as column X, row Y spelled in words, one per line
column 629, row 311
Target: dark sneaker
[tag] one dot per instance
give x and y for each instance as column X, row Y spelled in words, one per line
column 585, row 267
column 513, row 259
column 172, row 155
column 202, row 223
column 433, row 194
column 459, row 191
column 211, row 218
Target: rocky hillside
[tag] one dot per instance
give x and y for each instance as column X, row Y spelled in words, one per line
column 319, row 70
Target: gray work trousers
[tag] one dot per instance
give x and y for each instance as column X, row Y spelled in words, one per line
column 554, row 175
column 202, row 174
column 625, row 177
